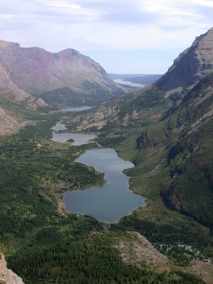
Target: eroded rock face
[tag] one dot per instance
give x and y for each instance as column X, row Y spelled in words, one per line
column 7, row 276
column 193, row 64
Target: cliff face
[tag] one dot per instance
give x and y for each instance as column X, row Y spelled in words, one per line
column 38, row 72
column 193, row 64
column 8, row 276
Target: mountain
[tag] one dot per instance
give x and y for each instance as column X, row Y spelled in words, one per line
column 193, row 64
column 13, row 101
column 32, row 78
column 10, row 91
column 56, row 77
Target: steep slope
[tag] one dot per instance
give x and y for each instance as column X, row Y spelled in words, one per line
column 13, row 102
column 190, row 157
column 39, row 72
column 11, row 92
column 193, row 64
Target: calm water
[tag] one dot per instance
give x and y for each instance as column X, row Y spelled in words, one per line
column 76, row 109
column 109, row 202
column 78, row 138
column 113, row 200
column 128, row 83
column 61, row 135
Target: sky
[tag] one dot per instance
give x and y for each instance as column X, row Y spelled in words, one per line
column 125, row 36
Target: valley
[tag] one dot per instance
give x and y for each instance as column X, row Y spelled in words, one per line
column 38, row 230
column 99, row 185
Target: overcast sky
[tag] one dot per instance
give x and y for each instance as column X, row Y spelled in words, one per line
column 125, row 36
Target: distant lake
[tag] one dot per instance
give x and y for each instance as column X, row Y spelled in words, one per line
column 61, row 134
column 128, row 83
column 76, row 109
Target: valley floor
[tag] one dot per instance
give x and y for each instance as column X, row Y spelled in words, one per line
column 44, row 244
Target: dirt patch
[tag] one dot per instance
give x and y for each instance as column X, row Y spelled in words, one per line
column 137, row 250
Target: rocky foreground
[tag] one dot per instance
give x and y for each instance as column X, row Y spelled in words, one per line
column 7, row 276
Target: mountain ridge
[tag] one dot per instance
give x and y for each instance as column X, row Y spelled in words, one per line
column 191, row 65
column 38, row 72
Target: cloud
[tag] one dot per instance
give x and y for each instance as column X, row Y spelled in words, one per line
column 106, row 26
column 71, row 8
column 204, row 3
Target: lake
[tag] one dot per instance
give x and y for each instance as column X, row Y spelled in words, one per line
column 61, row 134
column 76, row 109
column 110, row 201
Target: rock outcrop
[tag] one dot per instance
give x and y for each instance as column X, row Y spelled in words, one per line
column 7, row 276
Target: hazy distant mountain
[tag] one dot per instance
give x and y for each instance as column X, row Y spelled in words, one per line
column 193, row 64
column 39, row 72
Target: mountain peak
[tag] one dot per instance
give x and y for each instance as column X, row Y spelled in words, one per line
column 191, row 65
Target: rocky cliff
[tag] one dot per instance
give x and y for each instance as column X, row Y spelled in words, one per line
column 7, row 276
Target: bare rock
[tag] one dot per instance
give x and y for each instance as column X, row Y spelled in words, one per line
column 192, row 65
column 7, row 276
